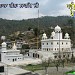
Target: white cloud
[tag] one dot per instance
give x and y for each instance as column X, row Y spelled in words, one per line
column 44, row 2
column 20, row 14
column 62, row 12
column 47, row 7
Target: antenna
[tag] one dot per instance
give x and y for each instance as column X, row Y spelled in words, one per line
column 38, row 29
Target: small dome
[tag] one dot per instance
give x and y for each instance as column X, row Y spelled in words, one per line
column 14, row 47
column 57, row 29
column 44, row 36
column 4, row 44
column 52, row 34
column 2, row 37
column 67, row 36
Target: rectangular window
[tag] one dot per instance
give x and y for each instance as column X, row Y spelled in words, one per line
column 51, row 43
column 62, row 43
column 62, row 49
column 57, row 43
column 55, row 48
column 47, row 43
column 43, row 43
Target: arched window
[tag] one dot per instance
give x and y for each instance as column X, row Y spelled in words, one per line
column 63, row 55
column 57, row 43
column 55, row 56
column 55, row 48
column 38, row 55
column 28, row 54
column 13, row 60
column 43, row 43
column 33, row 55
column 68, row 55
column 62, row 43
column 47, row 43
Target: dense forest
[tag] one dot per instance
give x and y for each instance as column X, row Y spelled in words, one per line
column 45, row 23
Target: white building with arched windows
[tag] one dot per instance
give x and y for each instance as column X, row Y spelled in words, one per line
column 57, row 44
column 54, row 46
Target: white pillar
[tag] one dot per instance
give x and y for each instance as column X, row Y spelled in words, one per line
column 3, row 52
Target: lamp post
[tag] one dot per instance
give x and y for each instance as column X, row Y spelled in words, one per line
column 59, row 48
column 59, row 56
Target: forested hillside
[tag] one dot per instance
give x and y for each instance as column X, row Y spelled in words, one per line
column 10, row 26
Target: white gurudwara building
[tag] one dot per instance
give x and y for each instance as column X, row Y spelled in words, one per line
column 12, row 55
column 54, row 46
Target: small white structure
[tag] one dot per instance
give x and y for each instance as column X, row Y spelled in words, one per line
column 54, row 46
column 12, row 55
column 2, row 37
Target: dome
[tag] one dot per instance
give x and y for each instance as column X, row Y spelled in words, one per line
column 4, row 44
column 44, row 36
column 14, row 47
column 57, row 29
column 53, row 34
column 67, row 36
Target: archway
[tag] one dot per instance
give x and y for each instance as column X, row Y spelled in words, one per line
column 13, row 60
column 38, row 55
column 33, row 55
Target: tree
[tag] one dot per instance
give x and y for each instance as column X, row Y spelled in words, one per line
column 45, row 65
column 70, row 22
column 57, row 64
column 29, row 28
column 25, row 46
column 63, row 61
column 36, row 32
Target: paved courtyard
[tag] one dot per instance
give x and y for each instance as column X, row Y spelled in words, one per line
column 53, row 71
column 26, row 61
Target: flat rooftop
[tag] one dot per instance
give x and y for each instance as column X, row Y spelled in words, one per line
column 15, row 71
column 1, row 64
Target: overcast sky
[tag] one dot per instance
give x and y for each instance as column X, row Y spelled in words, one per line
column 46, row 8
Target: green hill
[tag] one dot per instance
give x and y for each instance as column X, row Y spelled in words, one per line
column 10, row 26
